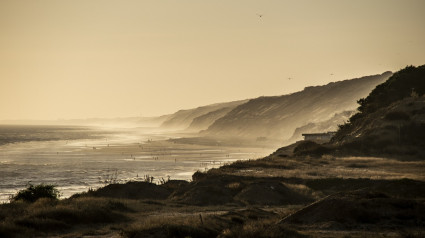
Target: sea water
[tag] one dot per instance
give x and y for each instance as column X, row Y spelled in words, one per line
column 78, row 158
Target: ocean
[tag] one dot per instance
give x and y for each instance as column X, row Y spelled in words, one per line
column 76, row 158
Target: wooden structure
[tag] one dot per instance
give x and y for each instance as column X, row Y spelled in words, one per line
column 319, row 137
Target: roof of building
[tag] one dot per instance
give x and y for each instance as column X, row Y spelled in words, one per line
column 319, row 134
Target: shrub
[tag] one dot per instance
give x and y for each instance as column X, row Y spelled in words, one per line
column 198, row 175
column 397, row 115
column 33, row 193
column 311, row 148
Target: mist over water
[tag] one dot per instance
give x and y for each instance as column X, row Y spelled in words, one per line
column 78, row 158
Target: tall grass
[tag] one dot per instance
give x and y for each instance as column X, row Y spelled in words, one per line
column 52, row 216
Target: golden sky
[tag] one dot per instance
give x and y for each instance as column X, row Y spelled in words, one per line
column 116, row 58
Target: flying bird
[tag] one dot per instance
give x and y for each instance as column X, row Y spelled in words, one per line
column 260, row 15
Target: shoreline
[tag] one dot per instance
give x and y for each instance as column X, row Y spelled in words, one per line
column 91, row 161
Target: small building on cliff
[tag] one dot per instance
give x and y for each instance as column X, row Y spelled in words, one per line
column 319, row 137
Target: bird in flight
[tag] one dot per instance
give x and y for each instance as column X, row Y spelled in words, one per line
column 260, row 15
column 289, row 78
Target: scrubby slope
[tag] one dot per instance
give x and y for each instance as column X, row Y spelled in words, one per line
column 391, row 119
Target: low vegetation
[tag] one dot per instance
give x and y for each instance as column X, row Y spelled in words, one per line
column 311, row 148
column 33, row 193
column 397, row 116
column 48, row 216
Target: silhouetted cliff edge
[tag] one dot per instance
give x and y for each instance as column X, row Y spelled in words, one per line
column 391, row 120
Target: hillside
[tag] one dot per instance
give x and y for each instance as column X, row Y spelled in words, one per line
column 182, row 119
column 204, row 121
column 279, row 116
column 391, row 119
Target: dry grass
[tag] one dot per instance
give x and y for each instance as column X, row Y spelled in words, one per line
column 263, row 228
column 179, row 224
column 252, row 222
column 327, row 167
column 305, row 190
column 167, row 226
column 46, row 216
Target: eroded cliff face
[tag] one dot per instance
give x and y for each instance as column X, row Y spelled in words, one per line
column 279, row 116
column 204, row 121
column 182, row 119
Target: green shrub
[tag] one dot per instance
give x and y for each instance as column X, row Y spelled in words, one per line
column 33, row 193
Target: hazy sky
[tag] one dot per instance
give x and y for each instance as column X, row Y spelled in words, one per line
column 111, row 58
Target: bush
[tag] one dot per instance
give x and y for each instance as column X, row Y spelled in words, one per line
column 311, row 148
column 33, row 193
column 198, row 175
column 397, row 115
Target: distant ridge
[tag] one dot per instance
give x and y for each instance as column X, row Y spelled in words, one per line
column 183, row 119
column 279, row 116
column 204, row 121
